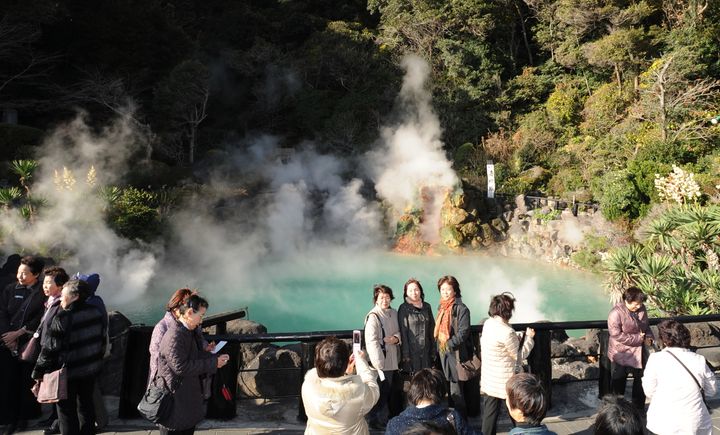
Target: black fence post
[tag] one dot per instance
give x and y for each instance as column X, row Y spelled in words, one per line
column 307, row 362
column 605, row 375
column 540, row 363
column 135, row 371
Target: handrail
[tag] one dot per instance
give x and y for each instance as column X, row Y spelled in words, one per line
column 305, row 337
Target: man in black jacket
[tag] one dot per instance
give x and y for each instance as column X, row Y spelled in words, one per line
column 21, row 308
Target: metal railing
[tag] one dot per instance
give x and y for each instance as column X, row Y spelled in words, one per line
column 539, row 360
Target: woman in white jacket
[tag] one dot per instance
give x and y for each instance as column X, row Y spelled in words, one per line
column 335, row 400
column 382, row 339
column 499, row 346
column 672, row 381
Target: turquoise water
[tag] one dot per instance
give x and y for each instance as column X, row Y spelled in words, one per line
column 334, row 291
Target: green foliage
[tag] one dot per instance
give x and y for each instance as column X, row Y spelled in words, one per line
column 566, row 181
column 548, row 216
column 677, row 267
column 587, row 260
column 134, row 214
column 619, row 196
column 605, row 108
column 563, row 105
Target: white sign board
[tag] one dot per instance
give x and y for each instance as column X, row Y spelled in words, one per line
column 491, row 179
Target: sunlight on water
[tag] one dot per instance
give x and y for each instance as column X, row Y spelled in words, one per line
column 334, row 291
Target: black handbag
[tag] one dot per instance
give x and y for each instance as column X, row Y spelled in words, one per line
column 157, row 403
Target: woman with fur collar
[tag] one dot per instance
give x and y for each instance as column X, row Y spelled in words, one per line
column 335, row 400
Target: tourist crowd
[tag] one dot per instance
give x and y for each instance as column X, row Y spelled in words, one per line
column 411, row 374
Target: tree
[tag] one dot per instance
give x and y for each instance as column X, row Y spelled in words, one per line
column 183, row 99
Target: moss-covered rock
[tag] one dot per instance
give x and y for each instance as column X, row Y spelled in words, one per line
column 451, row 237
column 453, row 216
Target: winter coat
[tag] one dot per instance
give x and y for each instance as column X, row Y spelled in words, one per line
column 338, row 405
column 388, row 358
column 625, row 343
column 44, row 329
column 416, row 332
column 676, row 405
column 435, row 413
column 499, row 345
column 523, row 429
column 158, row 332
column 182, row 362
column 21, row 306
column 75, row 338
column 459, row 343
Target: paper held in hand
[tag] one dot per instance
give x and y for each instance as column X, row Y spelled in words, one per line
column 219, row 345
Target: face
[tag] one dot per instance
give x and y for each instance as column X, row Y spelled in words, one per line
column 193, row 318
column 49, row 286
column 25, row 276
column 383, row 301
column 413, row 292
column 446, row 291
column 67, row 298
column 633, row 306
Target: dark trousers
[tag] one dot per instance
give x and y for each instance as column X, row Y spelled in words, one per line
column 380, row 412
column 16, row 400
column 457, row 397
column 619, row 375
column 490, row 413
column 76, row 414
column 166, row 431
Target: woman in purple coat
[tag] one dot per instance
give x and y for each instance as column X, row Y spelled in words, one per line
column 629, row 329
column 182, row 362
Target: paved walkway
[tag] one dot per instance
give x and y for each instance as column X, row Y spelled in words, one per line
column 580, row 423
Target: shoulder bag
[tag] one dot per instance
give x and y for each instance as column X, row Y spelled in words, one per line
column 470, row 368
column 156, row 404
column 702, row 390
column 53, row 386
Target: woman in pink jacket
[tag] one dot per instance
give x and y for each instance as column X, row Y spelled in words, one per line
column 629, row 329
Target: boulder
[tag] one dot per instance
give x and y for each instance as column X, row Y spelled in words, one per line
column 451, row 237
column 559, row 335
column 248, row 351
column 712, row 356
column 564, row 352
column 273, row 373
column 704, row 334
column 469, row 230
column 112, row 370
column 452, row 216
column 576, row 370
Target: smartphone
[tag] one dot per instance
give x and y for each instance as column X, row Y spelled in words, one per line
column 357, row 337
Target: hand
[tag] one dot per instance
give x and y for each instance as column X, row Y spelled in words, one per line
column 210, row 347
column 222, row 360
column 351, row 364
column 10, row 338
column 530, row 332
column 391, row 340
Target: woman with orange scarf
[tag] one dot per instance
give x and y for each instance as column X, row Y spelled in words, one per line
column 452, row 333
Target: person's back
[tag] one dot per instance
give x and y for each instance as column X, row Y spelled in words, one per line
column 336, row 402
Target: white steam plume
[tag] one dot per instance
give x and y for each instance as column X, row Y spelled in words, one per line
column 411, row 156
column 73, row 217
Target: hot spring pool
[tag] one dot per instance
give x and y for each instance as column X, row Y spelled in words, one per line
column 333, row 291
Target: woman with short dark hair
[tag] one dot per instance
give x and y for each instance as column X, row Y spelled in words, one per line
column 452, row 334
column 382, row 339
column 499, row 345
column 427, row 389
column 182, row 364
column 673, row 378
column 335, row 399
column 417, row 325
column 22, row 304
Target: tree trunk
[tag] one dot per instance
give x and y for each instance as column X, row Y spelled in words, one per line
column 524, row 33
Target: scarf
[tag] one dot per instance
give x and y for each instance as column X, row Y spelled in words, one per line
column 444, row 320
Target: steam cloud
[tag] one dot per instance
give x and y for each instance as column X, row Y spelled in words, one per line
column 311, row 207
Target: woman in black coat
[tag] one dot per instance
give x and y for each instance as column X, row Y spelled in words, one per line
column 182, row 360
column 76, row 339
column 417, row 325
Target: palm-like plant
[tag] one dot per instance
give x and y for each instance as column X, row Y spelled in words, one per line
column 25, row 170
column 8, row 196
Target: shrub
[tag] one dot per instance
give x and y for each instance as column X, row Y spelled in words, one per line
column 134, row 215
column 619, row 195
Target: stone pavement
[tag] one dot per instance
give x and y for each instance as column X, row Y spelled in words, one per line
column 580, row 423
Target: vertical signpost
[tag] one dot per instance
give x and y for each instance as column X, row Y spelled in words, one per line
column 490, row 179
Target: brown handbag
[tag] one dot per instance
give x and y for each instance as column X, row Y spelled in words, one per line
column 469, row 369
column 31, row 351
column 53, row 387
